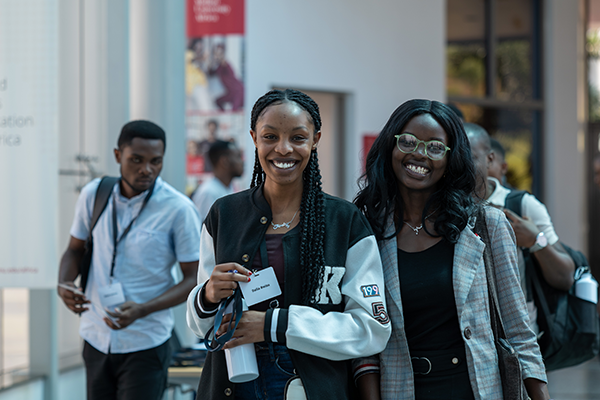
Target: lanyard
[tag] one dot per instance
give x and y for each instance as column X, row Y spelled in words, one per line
column 264, row 256
column 217, row 343
column 126, row 231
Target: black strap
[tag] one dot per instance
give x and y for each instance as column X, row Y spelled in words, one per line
column 127, row 229
column 535, row 279
column 217, row 343
column 100, row 201
column 264, row 256
column 514, row 200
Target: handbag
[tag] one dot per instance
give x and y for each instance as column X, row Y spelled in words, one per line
column 569, row 326
column 508, row 361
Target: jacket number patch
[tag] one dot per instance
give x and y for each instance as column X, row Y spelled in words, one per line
column 370, row 290
column 379, row 313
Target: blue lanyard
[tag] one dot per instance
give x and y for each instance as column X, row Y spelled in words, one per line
column 126, row 231
column 217, row 343
column 236, row 300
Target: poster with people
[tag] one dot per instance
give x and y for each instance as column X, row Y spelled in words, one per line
column 214, row 74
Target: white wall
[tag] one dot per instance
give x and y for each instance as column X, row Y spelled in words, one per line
column 379, row 53
column 564, row 173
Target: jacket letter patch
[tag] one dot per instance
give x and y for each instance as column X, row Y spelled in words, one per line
column 379, row 313
column 331, row 285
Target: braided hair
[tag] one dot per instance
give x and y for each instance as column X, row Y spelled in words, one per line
column 312, row 206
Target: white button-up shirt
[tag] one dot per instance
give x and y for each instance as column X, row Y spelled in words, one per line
column 166, row 231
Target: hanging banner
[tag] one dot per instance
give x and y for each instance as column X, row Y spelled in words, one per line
column 214, row 81
column 28, row 143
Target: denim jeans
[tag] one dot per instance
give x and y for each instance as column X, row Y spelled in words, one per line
column 275, row 368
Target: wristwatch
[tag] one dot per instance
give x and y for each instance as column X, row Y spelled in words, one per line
column 540, row 242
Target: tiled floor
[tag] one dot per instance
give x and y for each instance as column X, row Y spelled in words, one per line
column 576, row 383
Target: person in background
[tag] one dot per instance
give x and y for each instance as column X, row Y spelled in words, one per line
column 417, row 194
column 534, row 230
column 212, row 126
column 146, row 227
column 498, row 166
column 227, row 163
column 323, row 254
column 234, row 88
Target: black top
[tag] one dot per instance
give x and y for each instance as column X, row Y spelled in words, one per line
column 430, row 317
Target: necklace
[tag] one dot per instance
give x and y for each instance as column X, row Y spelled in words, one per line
column 285, row 224
column 418, row 228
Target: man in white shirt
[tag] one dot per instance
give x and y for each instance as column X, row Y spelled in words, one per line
column 227, row 164
column 125, row 318
column 534, row 230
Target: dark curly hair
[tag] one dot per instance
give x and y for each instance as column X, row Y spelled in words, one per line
column 312, row 217
column 379, row 197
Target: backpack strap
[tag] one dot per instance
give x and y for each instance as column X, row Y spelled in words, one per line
column 100, row 201
column 514, row 200
column 102, row 195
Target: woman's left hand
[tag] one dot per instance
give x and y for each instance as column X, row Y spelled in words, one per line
column 249, row 330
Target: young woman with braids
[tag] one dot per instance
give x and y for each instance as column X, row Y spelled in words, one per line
column 324, row 255
column 417, row 194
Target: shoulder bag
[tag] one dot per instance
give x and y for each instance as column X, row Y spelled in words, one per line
column 508, row 361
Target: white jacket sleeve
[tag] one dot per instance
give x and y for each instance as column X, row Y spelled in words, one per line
column 200, row 319
column 363, row 328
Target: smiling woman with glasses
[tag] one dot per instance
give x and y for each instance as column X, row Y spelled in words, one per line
column 417, row 194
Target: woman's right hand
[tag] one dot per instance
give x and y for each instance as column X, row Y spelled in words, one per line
column 223, row 281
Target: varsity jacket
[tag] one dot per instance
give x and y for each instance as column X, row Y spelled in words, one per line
column 350, row 319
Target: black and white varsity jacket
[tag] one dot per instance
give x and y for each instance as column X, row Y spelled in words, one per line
column 350, row 319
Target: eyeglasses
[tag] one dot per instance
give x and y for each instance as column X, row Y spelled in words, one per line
column 408, row 143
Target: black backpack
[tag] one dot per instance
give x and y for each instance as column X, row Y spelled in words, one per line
column 570, row 325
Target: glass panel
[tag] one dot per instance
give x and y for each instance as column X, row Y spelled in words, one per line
column 514, row 129
column 514, row 32
column 466, row 50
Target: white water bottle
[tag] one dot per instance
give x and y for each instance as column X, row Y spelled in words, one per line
column 586, row 288
column 241, row 360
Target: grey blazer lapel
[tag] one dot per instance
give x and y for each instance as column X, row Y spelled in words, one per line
column 389, row 258
column 468, row 256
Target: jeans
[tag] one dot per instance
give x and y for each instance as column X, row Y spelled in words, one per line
column 275, row 368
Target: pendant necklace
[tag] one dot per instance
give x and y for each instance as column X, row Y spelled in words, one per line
column 285, row 224
column 418, row 228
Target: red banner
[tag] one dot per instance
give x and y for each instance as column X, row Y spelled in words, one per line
column 215, row 17
column 368, row 140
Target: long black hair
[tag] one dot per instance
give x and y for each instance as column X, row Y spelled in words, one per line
column 379, row 196
column 312, row 207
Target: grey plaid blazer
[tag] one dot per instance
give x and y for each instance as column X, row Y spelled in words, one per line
column 471, row 296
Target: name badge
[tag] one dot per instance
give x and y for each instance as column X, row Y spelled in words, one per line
column 263, row 286
column 112, row 294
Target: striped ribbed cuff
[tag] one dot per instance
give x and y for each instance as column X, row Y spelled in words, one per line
column 365, row 369
column 276, row 320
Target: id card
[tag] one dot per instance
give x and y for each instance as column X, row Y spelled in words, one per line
column 263, row 286
column 112, row 294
